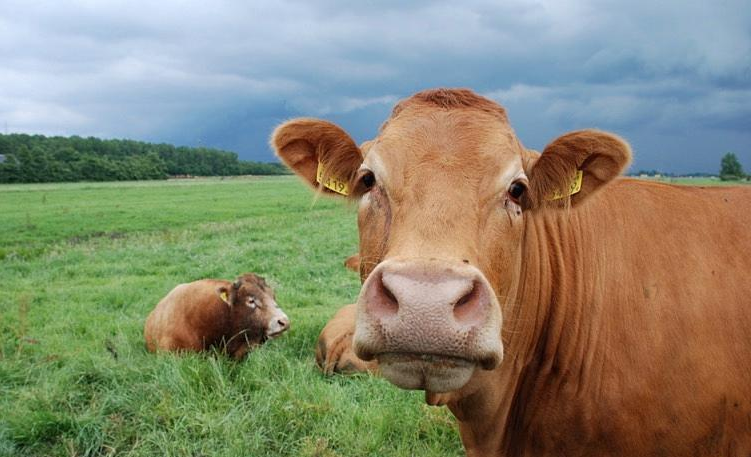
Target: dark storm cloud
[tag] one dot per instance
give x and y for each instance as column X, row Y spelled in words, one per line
column 672, row 77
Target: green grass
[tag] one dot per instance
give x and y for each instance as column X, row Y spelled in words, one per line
column 83, row 264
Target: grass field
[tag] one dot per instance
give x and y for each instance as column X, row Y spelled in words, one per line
column 81, row 265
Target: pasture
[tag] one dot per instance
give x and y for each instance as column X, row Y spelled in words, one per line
column 81, row 265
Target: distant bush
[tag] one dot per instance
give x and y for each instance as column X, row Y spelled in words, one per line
column 37, row 158
column 730, row 168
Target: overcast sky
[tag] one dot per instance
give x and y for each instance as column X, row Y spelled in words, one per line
column 672, row 77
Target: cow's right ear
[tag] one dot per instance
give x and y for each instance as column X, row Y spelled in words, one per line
column 318, row 152
column 225, row 295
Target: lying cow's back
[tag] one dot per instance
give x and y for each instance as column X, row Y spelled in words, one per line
column 334, row 349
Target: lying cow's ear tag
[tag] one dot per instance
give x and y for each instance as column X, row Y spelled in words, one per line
column 334, row 183
column 224, row 296
column 574, row 187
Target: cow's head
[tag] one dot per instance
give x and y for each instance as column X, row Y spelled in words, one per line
column 254, row 310
column 443, row 192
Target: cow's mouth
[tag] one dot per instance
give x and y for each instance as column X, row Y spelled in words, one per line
column 272, row 335
column 434, row 373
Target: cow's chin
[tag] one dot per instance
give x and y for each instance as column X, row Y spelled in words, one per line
column 427, row 372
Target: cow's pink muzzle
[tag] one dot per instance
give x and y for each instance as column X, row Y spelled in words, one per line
column 429, row 323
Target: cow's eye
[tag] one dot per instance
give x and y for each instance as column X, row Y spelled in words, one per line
column 365, row 182
column 368, row 180
column 252, row 303
column 516, row 190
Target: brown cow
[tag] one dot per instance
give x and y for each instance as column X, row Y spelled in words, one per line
column 334, row 353
column 625, row 304
column 231, row 316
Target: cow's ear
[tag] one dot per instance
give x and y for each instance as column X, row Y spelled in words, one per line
column 319, row 152
column 352, row 263
column 574, row 166
column 225, row 295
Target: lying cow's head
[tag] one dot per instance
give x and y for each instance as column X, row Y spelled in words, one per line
column 254, row 310
column 443, row 192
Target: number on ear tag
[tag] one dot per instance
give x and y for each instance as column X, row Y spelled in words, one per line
column 334, row 183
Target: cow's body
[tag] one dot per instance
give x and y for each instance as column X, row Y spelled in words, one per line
column 631, row 338
column 215, row 313
column 626, row 317
column 334, row 352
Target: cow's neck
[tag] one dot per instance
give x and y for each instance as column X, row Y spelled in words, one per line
column 541, row 333
column 559, row 277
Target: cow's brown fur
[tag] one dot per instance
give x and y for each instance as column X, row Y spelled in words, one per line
column 312, row 141
column 352, row 262
column 194, row 317
column 626, row 317
column 449, row 99
column 334, row 353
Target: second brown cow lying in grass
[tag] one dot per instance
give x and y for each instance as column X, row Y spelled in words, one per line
column 334, row 353
column 233, row 317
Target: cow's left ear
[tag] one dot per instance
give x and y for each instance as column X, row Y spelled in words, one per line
column 574, row 166
column 319, row 152
column 225, row 295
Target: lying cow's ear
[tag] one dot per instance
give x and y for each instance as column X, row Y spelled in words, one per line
column 320, row 152
column 352, row 263
column 574, row 166
column 225, row 295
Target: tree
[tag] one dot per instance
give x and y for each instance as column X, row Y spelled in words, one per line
column 730, row 168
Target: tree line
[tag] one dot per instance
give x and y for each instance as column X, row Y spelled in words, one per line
column 37, row 158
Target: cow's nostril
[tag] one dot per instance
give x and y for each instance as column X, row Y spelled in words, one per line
column 383, row 302
column 390, row 296
column 465, row 299
column 468, row 309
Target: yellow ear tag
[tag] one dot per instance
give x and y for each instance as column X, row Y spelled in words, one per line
column 224, row 296
column 333, row 183
column 574, row 187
